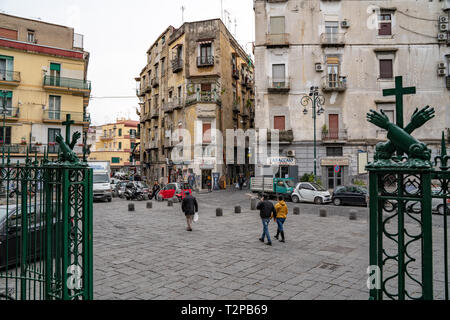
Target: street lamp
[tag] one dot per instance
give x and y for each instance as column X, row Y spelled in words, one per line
column 318, row 101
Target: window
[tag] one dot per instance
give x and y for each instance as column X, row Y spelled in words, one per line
column 277, row 25
column 163, row 39
column 279, row 75
column 8, row 108
column 55, row 73
column 163, row 67
column 279, row 123
column 205, row 53
column 115, row 160
column 6, row 68
column 31, row 36
column 390, row 114
column 334, row 152
column 333, row 72
column 120, row 132
column 385, row 24
column 386, row 69
column 52, row 145
column 120, row 145
column 7, row 139
column 206, row 132
column 331, row 31
column 54, row 108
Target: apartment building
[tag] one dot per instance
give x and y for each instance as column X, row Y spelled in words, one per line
column 43, row 70
column 351, row 51
column 199, row 79
column 116, row 142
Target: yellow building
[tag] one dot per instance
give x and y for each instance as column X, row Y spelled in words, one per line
column 43, row 70
column 116, row 142
column 197, row 78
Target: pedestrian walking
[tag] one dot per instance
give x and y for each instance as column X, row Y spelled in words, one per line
column 266, row 212
column 155, row 190
column 241, row 182
column 280, row 217
column 189, row 207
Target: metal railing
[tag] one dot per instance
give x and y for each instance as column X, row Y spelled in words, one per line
column 332, row 39
column 278, row 84
column 10, row 112
column 203, row 96
column 334, row 134
column 335, row 83
column 70, row 83
column 283, row 135
column 277, row 39
column 155, row 82
column 6, row 75
column 235, row 72
column 205, row 61
column 56, row 115
column 177, row 65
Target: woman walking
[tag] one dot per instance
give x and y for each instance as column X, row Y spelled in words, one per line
column 280, row 218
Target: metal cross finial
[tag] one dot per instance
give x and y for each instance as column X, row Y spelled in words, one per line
column 399, row 92
column 68, row 123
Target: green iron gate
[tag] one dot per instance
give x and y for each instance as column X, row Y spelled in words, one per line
column 46, row 228
column 409, row 198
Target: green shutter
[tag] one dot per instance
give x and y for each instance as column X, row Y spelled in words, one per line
column 120, row 145
column 115, row 160
column 55, row 66
column 6, row 57
column 8, row 94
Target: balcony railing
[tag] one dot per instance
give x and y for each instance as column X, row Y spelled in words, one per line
column 447, row 82
column 55, row 115
column 334, row 135
column 155, row 82
column 11, row 113
column 335, row 83
column 66, row 83
column 236, row 107
column 285, row 136
column 176, row 103
column 155, row 113
column 205, row 61
column 278, row 84
column 177, row 65
column 332, row 39
column 9, row 76
column 203, row 96
column 277, row 39
column 235, row 72
column 51, row 148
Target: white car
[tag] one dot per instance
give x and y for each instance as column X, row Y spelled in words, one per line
column 310, row 192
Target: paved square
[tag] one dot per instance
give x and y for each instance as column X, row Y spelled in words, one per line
column 148, row 254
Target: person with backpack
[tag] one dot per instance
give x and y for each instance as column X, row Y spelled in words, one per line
column 280, row 217
column 266, row 212
column 189, row 206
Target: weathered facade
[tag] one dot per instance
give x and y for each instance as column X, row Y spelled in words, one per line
column 199, row 79
column 351, row 50
column 43, row 70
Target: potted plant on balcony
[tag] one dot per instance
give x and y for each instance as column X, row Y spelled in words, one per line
column 324, row 130
column 38, row 144
column 23, row 141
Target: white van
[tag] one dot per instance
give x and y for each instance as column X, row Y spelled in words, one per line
column 310, row 192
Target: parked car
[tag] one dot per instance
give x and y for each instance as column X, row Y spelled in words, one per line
column 350, row 195
column 310, row 192
column 437, row 204
column 175, row 189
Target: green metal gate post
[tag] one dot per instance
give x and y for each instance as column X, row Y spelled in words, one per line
column 427, row 229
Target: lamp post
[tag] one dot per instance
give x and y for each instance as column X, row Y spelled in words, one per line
column 318, row 101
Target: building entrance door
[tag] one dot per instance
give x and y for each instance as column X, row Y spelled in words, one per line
column 206, row 179
column 334, row 126
column 334, row 178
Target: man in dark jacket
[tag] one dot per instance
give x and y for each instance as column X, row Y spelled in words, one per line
column 266, row 212
column 189, row 206
column 155, row 190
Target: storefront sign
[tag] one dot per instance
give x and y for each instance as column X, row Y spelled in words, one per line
column 281, row 161
column 363, row 159
column 332, row 162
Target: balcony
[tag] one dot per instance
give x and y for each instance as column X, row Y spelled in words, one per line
column 51, row 148
column 52, row 116
column 176, row 103
column 334, row 136
column 285, row 136
column 447, row 82
column 334, row 83
column 67, row 84
column 177, row 65
column 155, row 113
column 203, row 96
column 235, row 73
column 278, row 85
column 205, row 61
column 11, row 114
column 332, row 39
column 10, row 78
column 277, row 40
column 155, row 82
column 236, row 107
column 147, row 87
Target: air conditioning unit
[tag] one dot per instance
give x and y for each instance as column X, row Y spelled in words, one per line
column 441, row 65
column 443, row 26
column 345, row 24
column 441, row 72
column 442, row 36
column 291, row 153
column 319, row 67
column 443, row 19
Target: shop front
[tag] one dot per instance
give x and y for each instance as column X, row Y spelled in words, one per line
column 335, row 171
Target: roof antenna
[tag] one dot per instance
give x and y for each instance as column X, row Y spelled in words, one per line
column 182, row 14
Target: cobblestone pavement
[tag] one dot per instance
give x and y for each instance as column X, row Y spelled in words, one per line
column 148, row 254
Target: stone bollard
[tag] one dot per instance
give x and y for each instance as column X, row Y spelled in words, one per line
column 131, row 207
column 353, row 215
column 323, row 212
column 219, row 212
column 149, row 205
column 170, row 203
column 237, row 209
column 253, row 204
column 296, row 211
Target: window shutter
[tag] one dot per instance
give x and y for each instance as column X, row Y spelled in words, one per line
column 386, row 71
column 277, row 25
column 278, row 72
column 279, row 123
column 206, row 132
column 385, row 29
column 55, row 66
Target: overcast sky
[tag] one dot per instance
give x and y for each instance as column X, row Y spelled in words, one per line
column 118, row 33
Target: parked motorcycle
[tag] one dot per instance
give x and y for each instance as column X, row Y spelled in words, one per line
column 133, row 192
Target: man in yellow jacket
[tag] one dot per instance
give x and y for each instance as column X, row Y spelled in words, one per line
column 280, row 218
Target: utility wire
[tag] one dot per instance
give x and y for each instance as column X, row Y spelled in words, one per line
column 408, row 15
column 116, row 97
